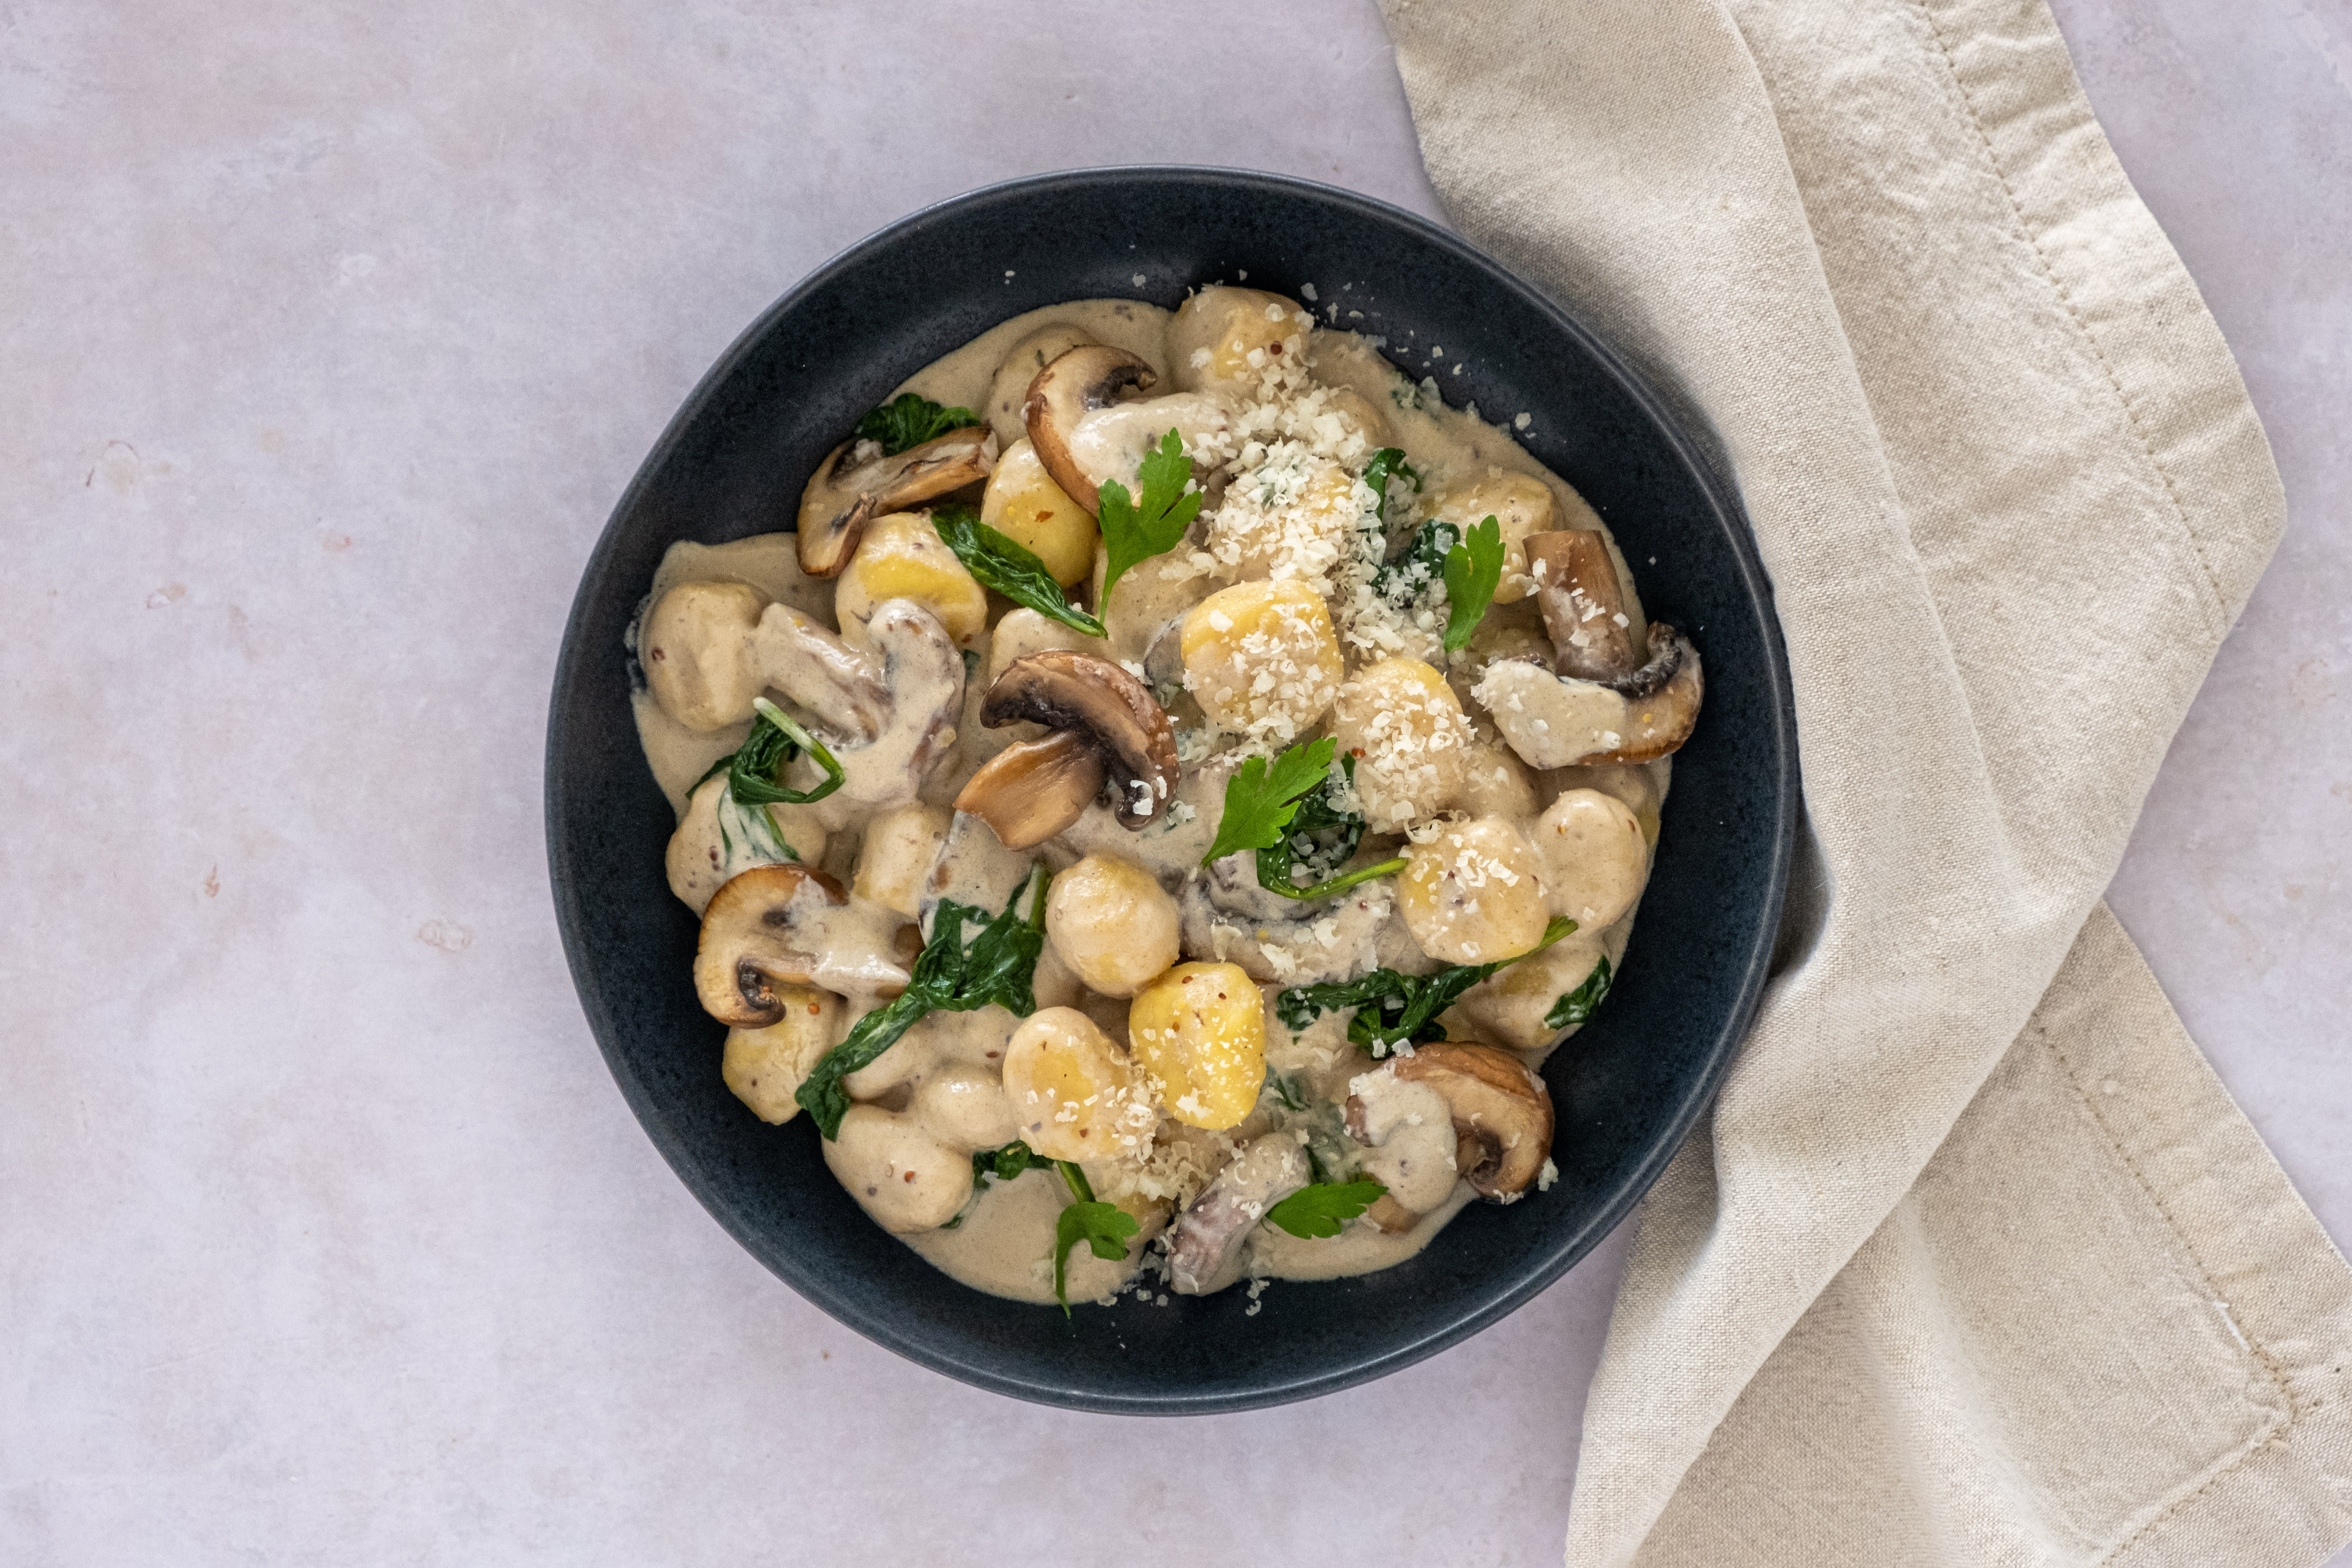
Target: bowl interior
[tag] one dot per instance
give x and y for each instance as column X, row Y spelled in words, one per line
column 733, row 463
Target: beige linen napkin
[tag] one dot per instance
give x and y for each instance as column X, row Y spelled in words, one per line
column 1975, row 1262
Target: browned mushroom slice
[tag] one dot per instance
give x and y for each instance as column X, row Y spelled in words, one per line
column 1502, row 1112
column 1206, row 1248
column 1662, row 699
column 1029, row 791
column 848, row 490
column 1583, row 605
column 1070, row 388
column 1065, row 689
column 758, row 936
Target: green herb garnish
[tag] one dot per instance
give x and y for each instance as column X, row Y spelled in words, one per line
column 1387, row 464
column 1392, row 1007
column 994, row 1164
column 1136, row 530
column 998, row 966
column 1009, row 566
column 1260, row 801
column 1578, row 1004
column 1316, row 816
column 754, row 770
column 1419, row 565
column 1474, row 570
column 1003, row 1165
column 1103, row 1226
column 911, row 419
column 1320, row 1208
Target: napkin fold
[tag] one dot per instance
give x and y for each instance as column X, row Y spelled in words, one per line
column 1976, row 1261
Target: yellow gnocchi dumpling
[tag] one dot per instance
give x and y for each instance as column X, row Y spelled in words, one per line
column 1474, row 894
column 1073, row 1094
column 902, row 556
column 1520, row 504
column 1229, row 337
column 1262, row 659
column 1111, row 922
column 1199, row 1031
column 1402, row 723
column 1024, row 503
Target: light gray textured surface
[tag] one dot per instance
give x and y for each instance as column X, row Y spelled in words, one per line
column 330, row 337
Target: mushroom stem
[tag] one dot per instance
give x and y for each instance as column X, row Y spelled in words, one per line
column 1583, row 604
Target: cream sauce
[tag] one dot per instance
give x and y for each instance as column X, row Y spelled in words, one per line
column 936, row 1080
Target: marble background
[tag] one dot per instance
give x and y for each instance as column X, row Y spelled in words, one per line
column 329, row 335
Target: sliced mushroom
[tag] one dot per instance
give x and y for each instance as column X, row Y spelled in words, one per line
column 759, row 936
column 1502, row 1112
column 1583, row 604
column 1336, row 939
column 1603, row 705
column 1206, row 1249
column 886, row 710
column 1031, row 791
column 1407, row 1129
column 1070, row 388
column 857, row 483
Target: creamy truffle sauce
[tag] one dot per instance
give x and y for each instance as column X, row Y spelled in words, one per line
column 1002, row 1239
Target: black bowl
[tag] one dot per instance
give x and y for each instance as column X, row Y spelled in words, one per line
column 733, row 463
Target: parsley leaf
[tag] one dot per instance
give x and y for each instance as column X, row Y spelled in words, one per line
column 1135, row 530
column 1474, row 570
column 776, row 738
column 911, row 419
column 1260, row 800
column 1009, row 567
column 999, row 966
column 1104, row 1227
column 1578, row 1004
column 1316, row 816
column 1392, row 1007
column 1320, row 1208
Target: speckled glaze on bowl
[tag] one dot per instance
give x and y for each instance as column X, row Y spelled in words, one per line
column 1626, row 1091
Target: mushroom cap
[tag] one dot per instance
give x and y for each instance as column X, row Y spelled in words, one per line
column 847, row 493
column 1502, row 1112
column 1583, row 603
column 1069, row 690
column 1662, row 699
column 1073, row 385
column 1032, row 790
column 751, row 945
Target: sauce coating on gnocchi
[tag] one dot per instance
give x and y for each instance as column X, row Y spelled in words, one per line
column 1216, row 775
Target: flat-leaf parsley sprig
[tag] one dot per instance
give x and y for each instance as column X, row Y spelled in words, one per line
column 1319, row 1209
column 1135, row 530
column 1275, row 809
column 1474, row 570
column 1104, row 1227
